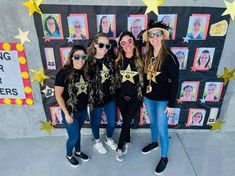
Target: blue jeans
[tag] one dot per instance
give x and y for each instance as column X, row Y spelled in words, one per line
column 110, row 111
column 158, row 123
column 73, row 131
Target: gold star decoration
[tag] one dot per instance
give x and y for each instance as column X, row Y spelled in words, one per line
column 152, row 5
column 81, row 86
column 39, row 76
column 47, row 126
column 227, row 75
column 154, row 74
column 33, row 6
column 104, row 73
column 23, row 36
column 128, row 74
column 230, row 9
column 217, row 125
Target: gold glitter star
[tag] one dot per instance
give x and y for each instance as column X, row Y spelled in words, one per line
column 47, row 126
column 39, row 76
column 217, row 125
column 128, row 74
column 104, row 73
column 227, row 75
column 33, row 6
column 81, row 86
column 152, row 5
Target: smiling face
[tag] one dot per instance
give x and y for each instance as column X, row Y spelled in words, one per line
column 105, row 25
column 100, row 52
column 204, row 58
column 197, row 118
column 77, row 28
column 78, row 63
column 188, row 91
column 180, row 57
column 135, row 28
column 211, row 89
column 156, row 40
column 196, row 25
column 127, row 44
column 51, row 25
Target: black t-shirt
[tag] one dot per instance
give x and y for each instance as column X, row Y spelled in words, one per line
column 100, row 74
column 130, row 78
column 80, row 89
column 166, row 85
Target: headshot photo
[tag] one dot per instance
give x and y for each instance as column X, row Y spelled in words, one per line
column 198, row 26
column 171, row 21
column 50, row 58
column 107, row 24
column 78, row 26
column 182, row 55
column 196, row 117
column 174, row 119
column 56, row 115
column 213, row 115
column 52, row 26
column 144, row 117
column 189, row 91
column 137, row 23
column 203, row 58
column 212, row 91
column 64, row 53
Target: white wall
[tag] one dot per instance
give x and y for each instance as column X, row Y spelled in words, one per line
column 23, row 121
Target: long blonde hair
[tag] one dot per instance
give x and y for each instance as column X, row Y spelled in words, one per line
column 161, row 57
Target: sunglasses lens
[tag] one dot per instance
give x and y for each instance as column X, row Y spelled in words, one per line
column 101, row 45
column 122, row 43
column 108, row 46
column 76, row 57
column 84, row 57
column 152, row 34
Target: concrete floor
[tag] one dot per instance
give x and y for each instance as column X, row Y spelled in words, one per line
column 191, row 154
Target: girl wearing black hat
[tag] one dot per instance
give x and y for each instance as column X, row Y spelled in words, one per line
column 160, row 88
column 129, row 67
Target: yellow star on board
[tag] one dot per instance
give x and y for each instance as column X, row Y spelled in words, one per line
column 217, row 125
column 230, row 9
column 47, row 126
column 128, row 74
column 81, row 86
column 39, row 76
column 152, row 5
column 23, row 36
column 227, row 75
column 104, row 73
column 33, row 6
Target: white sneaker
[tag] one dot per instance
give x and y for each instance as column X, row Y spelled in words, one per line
column 99, row 146
column 119, row 155
column 125, row 149
column 110, row 142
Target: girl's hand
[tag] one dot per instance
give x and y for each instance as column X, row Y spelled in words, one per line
column 68, row 118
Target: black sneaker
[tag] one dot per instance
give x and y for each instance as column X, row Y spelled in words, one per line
column 73, row 161
column 150, row 147
column 82, row 156
column 161, row 166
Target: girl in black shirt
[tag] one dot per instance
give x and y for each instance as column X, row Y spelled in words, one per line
column 129, row 67
column 71, row 95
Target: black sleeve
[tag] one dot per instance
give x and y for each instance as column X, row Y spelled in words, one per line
column 173, row 71
column 60, row 78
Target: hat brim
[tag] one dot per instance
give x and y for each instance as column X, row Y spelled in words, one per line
column 166, row 33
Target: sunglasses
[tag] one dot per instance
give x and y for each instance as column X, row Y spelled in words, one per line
column 129, row 41
column 102, row 45
column 157, row 34
column 83, row 57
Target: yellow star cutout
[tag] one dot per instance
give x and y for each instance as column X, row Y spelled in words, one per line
column 217, row 125
column 33, row 6
column 228, row 74
column 154, row 74
column 230, row 9
column 47, row 126
column 104, row 73
column 81, row 86
column 23, row 36
column 152, row 5
column 128, row 74
column 39, row 76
